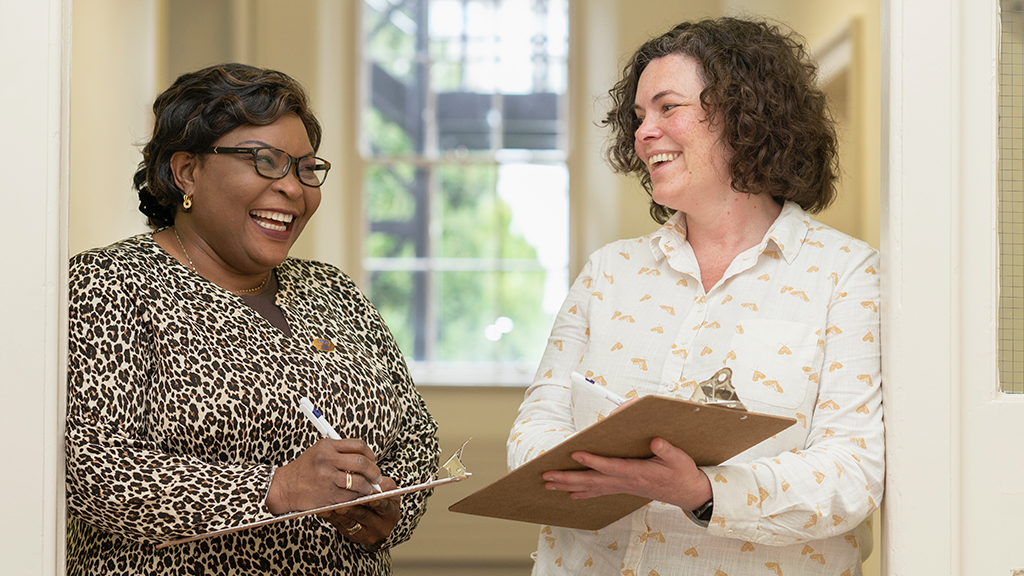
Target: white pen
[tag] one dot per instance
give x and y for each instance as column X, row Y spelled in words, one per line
column 595, row 387
column 317, row 418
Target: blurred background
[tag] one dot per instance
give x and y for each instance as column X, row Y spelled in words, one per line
column 467, row 184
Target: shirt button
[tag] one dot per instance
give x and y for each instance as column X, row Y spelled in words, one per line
column 729, row 531
column 636, row 540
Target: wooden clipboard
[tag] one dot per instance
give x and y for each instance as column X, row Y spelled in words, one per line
column 709, row 434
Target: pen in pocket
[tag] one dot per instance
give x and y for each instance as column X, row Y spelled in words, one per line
column 595, row 387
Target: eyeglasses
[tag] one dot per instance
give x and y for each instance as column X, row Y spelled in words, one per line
column 275, row 164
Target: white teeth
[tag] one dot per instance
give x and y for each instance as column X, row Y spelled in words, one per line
column 276, row 216
column 269, row 226
column 659, row 158
column 262, row 217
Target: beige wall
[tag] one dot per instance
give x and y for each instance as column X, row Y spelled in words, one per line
column 636, row 27
column 117, row 71
column 113, row 84
column 856, row 212
column 606, row 206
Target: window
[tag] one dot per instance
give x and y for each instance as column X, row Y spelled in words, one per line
column 466, row 188
column 1011, row 198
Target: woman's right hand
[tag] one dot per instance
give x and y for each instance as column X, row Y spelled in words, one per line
column 328, row 472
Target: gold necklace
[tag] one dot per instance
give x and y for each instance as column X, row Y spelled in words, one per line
column 193, row 267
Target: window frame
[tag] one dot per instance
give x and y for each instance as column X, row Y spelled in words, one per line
column 431, row 159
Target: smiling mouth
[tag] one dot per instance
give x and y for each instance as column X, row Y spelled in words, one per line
column 276, row 221
column 663, row 158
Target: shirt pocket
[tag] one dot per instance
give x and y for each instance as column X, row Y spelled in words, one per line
column 588, row 406
column 774, row 359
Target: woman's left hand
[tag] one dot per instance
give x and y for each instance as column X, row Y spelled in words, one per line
column 670, row 476
column 368, row 523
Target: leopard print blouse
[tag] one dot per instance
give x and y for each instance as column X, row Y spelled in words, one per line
column 182, row 400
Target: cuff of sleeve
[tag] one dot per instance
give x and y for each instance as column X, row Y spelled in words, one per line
column 737, row 501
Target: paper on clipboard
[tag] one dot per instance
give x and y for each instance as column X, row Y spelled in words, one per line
column 711, row 429
column 453, row 467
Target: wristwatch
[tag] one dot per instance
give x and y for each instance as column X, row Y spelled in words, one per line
column 705, row 511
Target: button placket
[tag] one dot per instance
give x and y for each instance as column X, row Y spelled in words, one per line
column 637, row 542
column 684, row 345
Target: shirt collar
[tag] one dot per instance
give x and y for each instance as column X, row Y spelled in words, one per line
column 665, row 241
column 789, row 232
column 786, row 235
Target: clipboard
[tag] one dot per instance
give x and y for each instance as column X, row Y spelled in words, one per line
column 453, row 466
column 711, row 432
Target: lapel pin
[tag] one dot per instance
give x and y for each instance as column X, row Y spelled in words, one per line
column 323, row 344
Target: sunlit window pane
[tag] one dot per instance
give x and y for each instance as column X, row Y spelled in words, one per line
column 392, row 291
column 463, row 138
column 471, row 216
column 467, row 302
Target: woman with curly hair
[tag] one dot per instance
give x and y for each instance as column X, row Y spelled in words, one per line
column 724, row 125
column 191, row 347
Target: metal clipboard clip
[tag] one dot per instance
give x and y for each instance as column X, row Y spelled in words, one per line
column 718, row 391
column 454, row 466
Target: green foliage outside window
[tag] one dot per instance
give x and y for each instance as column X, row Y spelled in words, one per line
column 448, row 268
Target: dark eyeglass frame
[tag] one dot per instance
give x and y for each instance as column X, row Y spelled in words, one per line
column 292, row 161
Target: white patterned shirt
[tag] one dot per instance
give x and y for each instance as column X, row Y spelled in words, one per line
column 796, row 319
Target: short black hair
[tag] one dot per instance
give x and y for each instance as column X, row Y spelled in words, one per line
column 199, row 108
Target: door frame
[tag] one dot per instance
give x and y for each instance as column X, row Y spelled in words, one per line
column 952, row 439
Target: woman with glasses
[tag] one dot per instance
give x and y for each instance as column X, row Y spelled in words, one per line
column 191, row 348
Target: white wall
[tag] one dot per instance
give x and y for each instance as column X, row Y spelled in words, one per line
column 33, row 114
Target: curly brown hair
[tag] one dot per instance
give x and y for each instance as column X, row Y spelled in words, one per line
column 199, row 108
column 760, row 84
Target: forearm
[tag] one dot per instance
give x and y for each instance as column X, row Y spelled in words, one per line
column 130, row 488
column 809, row 495
column 120, row 476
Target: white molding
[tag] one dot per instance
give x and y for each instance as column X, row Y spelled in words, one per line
column 993, row 422
column 920, row 131
column 489, row 375
column 35, row 63
column 953, row 494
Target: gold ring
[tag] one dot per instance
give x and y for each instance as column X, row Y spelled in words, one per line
column 348, row 480
column 354, row 529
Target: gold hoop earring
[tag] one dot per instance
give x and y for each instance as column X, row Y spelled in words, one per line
column 187, row 202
